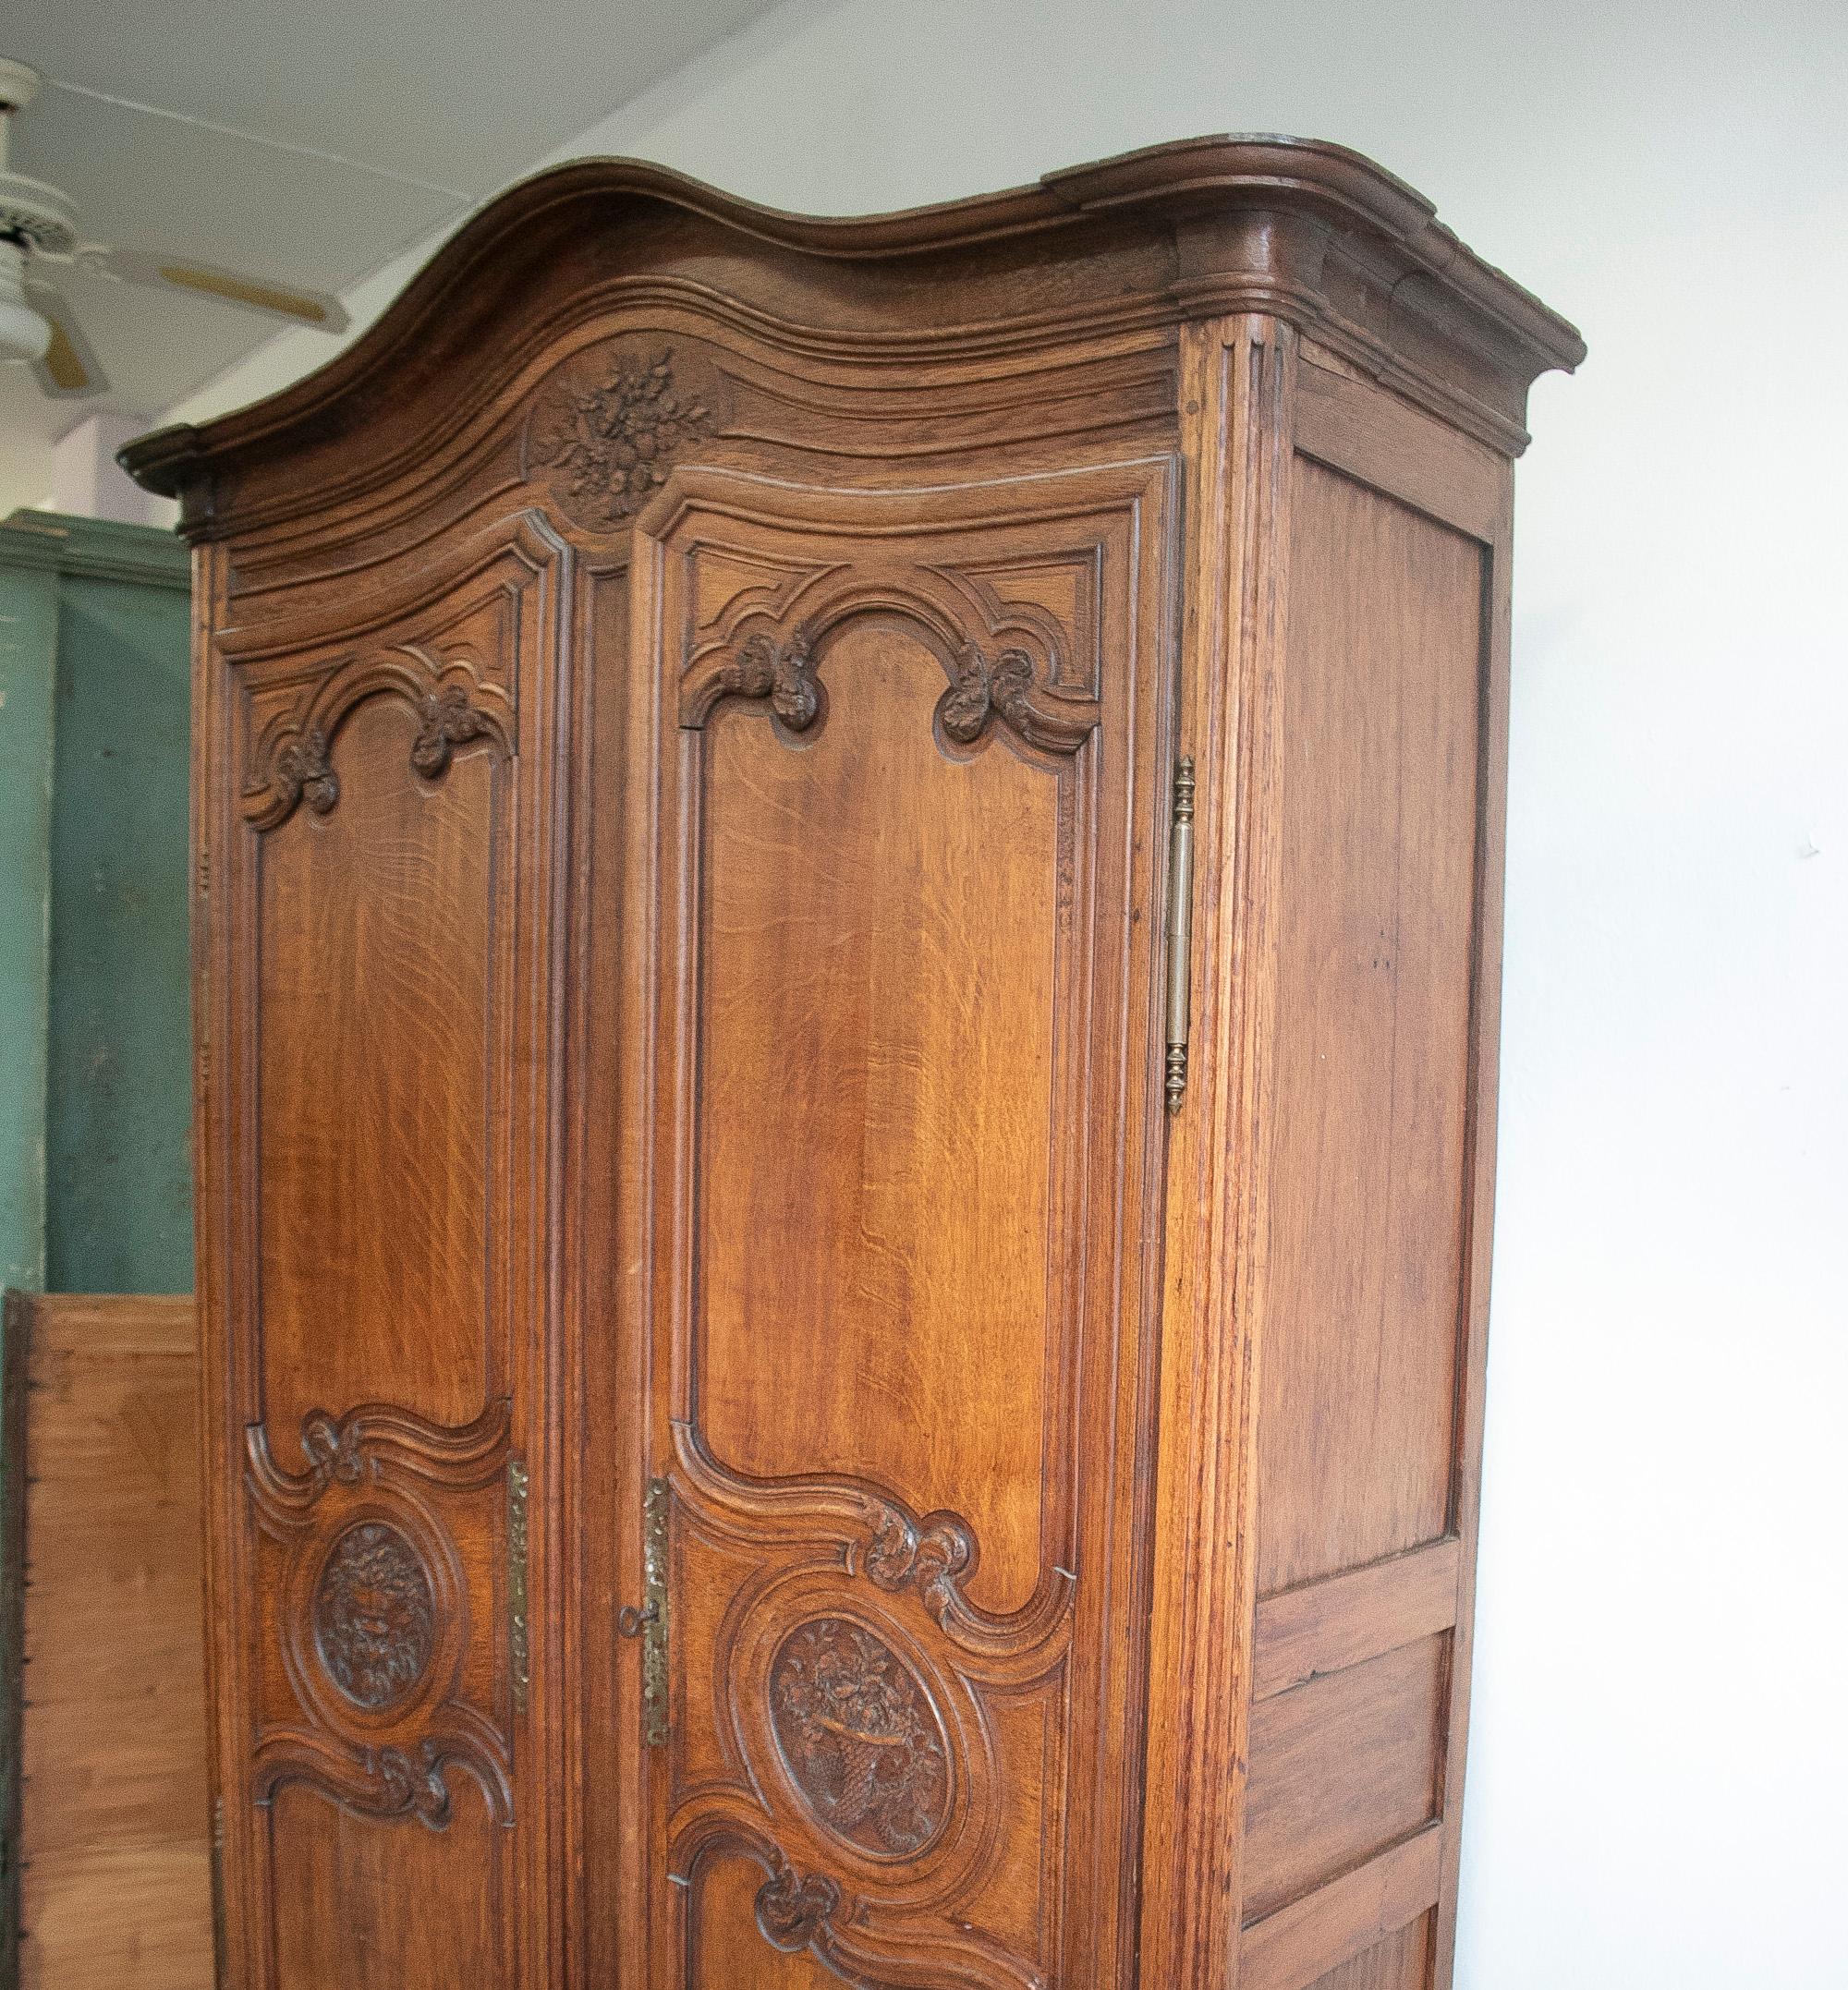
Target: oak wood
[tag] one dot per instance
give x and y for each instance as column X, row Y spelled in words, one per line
column 1342, row 1620
column 1339, row 1926
column 1340, row 1768
column 688, row 706
column 1401, row 1963
column 113, row 1836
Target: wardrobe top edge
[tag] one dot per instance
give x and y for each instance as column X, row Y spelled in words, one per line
column 1210, row 198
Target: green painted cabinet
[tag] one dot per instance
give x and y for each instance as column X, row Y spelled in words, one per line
column 95, row 1086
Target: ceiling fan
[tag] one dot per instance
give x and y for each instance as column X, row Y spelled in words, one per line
column 38, row 233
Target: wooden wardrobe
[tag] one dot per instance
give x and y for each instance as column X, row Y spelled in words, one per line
column 847, row 901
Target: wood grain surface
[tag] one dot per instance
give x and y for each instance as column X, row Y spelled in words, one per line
column 115, row 1816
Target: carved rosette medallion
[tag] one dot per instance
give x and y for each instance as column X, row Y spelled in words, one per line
column 609, row 444
column 861, row 1738
column 375, row 1615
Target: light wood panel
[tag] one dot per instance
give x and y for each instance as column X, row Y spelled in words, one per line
column 1382, row 664
column 115, row 1833
column 1401, row 1963
column 1327, row 1626
column 1341, row 1926
column 1340, row 1768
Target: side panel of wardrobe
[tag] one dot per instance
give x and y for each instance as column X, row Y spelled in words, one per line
column 1380, row 1068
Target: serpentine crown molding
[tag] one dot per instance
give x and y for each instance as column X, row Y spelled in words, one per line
column 1292, row 227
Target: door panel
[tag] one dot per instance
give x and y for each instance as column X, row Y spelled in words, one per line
column 386, row 947
column 880, row 928
column 905, row 849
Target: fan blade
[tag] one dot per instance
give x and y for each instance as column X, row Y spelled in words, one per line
column 228, row 286
column 71, row 369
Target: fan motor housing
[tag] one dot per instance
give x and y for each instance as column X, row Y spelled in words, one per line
column 36, row 216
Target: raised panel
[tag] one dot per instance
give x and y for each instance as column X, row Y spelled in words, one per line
column 1381, row 695
column 904, row 884
column 353, row 1901
column 879, row 956
column 377, row 1018
column 1401, row 1962
column 1341, row 1768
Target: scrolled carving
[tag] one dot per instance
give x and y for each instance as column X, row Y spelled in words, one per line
column 758, row 666
column 405, row 1778
column 453, row 704
column 861, row 1737
column 609, row 445
column 304, row 773
column 375, row 1615
column 446, row 719
column 983, row 688
column 793, row 1911
column 364, row 1445
column 928, row 1554
column 415, row 1783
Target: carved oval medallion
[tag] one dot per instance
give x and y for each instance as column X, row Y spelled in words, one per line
column 375, row 1615
column 861, row 1737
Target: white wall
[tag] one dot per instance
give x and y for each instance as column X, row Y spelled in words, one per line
column 1658, row 1767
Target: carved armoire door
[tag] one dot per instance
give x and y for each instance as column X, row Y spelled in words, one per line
column 894, row 834
column 375, row 1108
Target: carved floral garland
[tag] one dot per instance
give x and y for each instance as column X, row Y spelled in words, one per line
column 609, row 446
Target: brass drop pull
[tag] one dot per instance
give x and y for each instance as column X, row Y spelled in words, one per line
column 647, row 1621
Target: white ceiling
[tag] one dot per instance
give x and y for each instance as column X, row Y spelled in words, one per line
column 307, row 144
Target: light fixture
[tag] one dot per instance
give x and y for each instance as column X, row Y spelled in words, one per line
column 25, row 334
column 25, row 337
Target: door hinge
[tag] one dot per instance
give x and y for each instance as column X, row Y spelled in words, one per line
column 649, row 1622
column 519, row 1631
column 1180, row 929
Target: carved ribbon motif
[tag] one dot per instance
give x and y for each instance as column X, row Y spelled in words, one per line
column 413, row 1782
column 792, row 1911
column 336, row 1453
column 928, row 1554
column 304, row 773
column 782, row 674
